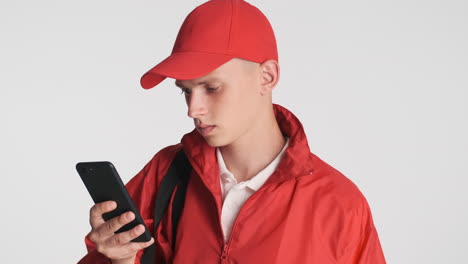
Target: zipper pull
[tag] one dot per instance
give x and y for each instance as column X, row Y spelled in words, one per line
column 224, row 254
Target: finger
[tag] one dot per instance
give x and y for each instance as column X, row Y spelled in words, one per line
column 133, row 247
column 108, row 229
column 123, row 238
column 127, row 250
column 95, row 214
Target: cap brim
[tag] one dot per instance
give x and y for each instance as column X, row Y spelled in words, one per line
column 183, row 65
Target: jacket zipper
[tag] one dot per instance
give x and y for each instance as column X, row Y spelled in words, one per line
column 228, row 244
column 225, row 250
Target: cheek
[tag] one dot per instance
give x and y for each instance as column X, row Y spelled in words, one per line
column 237, row 110
column 226, row 110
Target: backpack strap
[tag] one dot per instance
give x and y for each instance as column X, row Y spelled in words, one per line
column 177, row 174
column 184, row 169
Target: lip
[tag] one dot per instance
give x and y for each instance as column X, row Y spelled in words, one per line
column 205, row 129
column 204, row 126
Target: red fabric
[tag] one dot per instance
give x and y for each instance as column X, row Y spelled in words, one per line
column 212, row 34
column 306, row 212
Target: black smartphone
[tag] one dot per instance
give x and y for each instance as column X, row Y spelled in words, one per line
column 104, row 184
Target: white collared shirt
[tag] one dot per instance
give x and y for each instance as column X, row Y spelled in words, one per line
column 235, row 194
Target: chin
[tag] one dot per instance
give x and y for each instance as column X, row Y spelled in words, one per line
column 213, row 143
column 216, row 142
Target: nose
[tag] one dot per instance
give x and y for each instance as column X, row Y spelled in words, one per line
column 196, row 103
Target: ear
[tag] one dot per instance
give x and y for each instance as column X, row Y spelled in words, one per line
column 269, row 76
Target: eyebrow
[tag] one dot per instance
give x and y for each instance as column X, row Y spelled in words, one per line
column 201, row 82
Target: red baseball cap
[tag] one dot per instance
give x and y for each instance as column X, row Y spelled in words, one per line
column 211, row 35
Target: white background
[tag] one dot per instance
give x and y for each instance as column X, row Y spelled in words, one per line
column 380, row 87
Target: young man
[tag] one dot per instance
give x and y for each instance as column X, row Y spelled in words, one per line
column 256, row 193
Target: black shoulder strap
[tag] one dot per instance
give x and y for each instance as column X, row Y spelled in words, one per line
column 177, row 174
column 184, row 168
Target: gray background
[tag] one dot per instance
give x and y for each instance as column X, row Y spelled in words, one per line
column 380, row 87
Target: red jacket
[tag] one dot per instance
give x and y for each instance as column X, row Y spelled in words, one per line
column 306, row 212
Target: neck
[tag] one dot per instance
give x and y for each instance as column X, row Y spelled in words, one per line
column 255, row 149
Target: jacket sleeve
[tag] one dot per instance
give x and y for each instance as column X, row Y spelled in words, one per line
column 363, row 244
column 142, row 189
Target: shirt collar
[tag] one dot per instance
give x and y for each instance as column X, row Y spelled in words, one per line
column 258, row 180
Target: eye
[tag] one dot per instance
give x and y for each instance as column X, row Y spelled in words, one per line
column 208, row 89
column 211, row 89
column 185, row 91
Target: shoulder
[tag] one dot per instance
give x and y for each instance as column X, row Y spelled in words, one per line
column 144, row 185
column 337, row 205
column 163, row 157
column 342, row 215
column 153, row 171
column 331, row 189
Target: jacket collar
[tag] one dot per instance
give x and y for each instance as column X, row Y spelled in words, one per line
column 257, row 180
column 296, row 161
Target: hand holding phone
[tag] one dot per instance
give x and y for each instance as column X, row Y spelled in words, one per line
column 118, row 230
column 116, row 246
